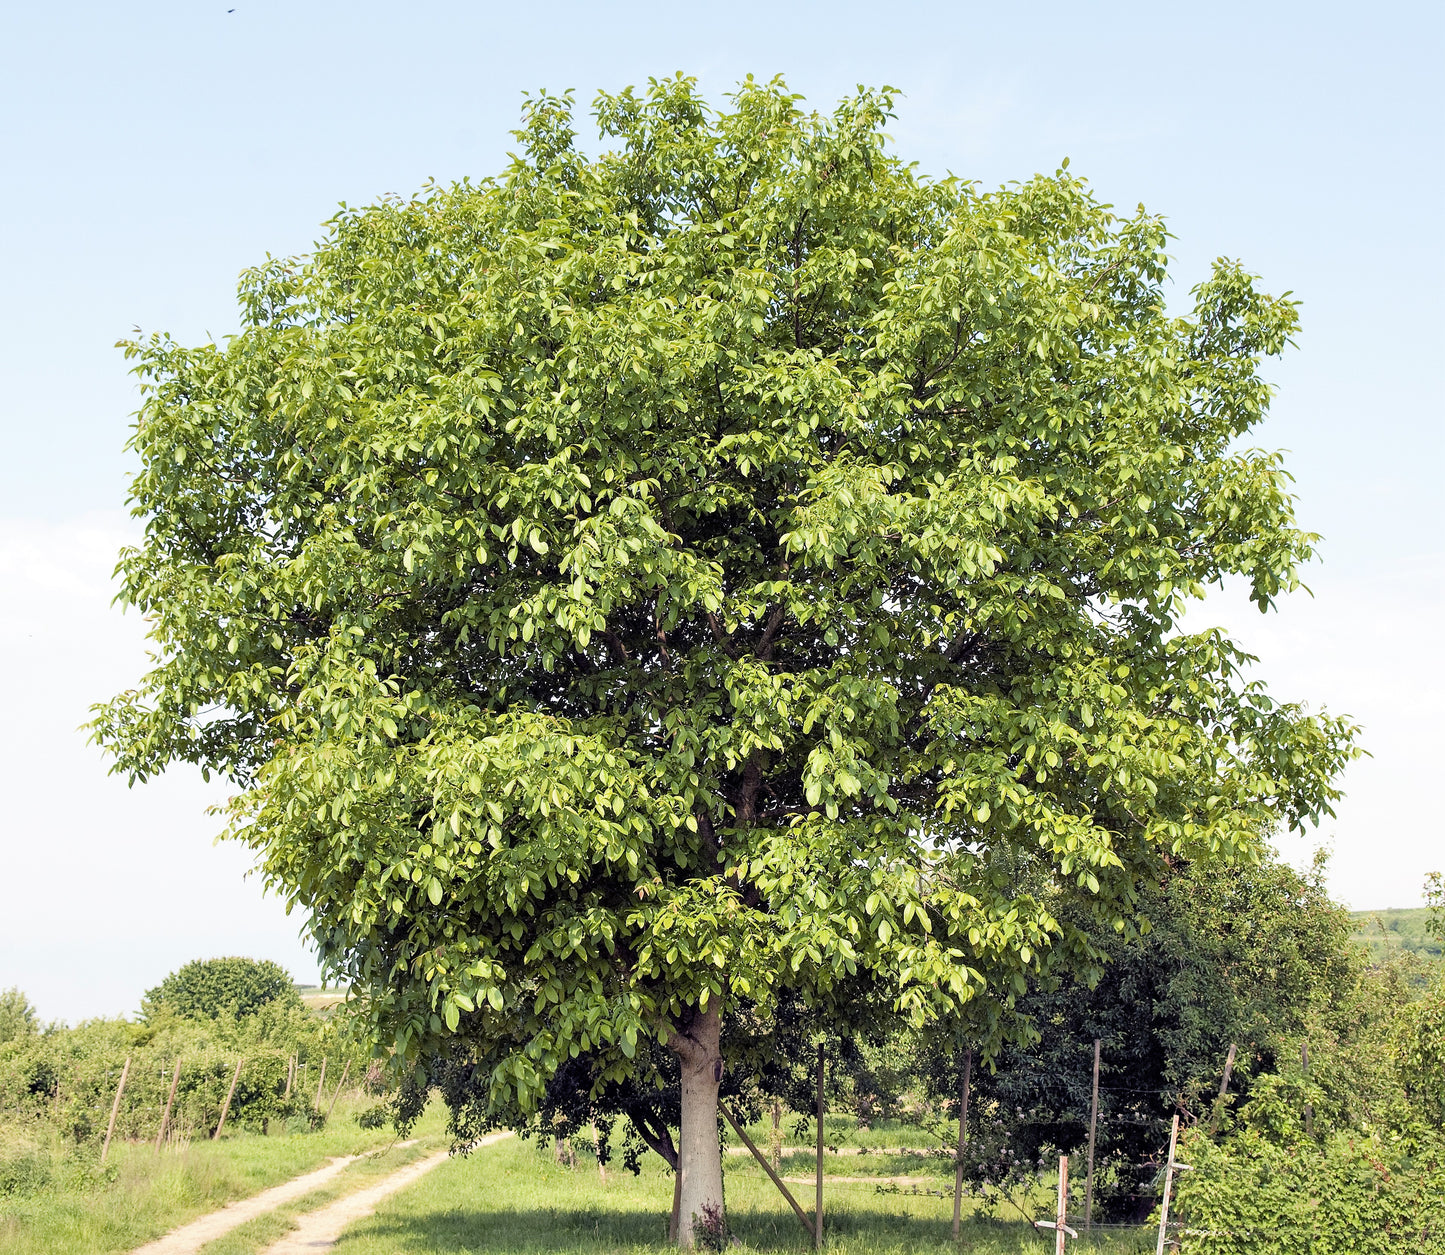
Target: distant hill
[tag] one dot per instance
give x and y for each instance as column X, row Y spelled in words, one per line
column 1382, row 932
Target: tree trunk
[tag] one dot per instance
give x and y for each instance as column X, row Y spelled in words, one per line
column 699, row 1151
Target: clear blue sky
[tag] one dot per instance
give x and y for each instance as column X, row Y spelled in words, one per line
column 150, row 151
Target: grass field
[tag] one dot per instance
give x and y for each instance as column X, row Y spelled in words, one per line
column 513, row 1199
column 147, row 1194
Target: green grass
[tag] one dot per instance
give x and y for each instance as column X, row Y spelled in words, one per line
column 843, row 1132
column 145, row 1195
column 801, row 1163
column 513, row 1199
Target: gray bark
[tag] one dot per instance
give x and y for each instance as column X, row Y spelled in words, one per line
column 699, row 1152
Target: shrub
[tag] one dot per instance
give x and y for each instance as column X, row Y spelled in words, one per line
column 211, row 988
column 24, row 1167
column 1348, row 1194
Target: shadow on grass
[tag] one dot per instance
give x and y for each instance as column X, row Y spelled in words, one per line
column 472, row 1229
column 585, row 1231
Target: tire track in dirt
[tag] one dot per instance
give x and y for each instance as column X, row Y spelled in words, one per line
column 319, row 1230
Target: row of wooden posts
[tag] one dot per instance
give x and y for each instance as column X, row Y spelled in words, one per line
column 292, row 1070
column 1060, row 1222
column 814, row 1226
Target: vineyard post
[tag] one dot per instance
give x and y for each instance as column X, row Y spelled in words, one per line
column 1304, row 1059
column 676, row 1199
column 962, row 1141
column 170, row 1098
column 1093, row 1127
column 1223, row 1090
column 597, row 1150
column 115, row 1109
column 1168, row 1186
column 1062, row 1215
column 339, row 1084
column 226, row 1106
column 818, row 1212
column 321, row 1083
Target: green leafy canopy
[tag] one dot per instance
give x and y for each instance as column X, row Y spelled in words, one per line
column 212, row 988
column 730, row 564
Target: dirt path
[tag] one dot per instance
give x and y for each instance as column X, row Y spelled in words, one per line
column 318, row 1230
column 191, row 1237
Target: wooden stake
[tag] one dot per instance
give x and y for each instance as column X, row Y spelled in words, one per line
column 1061, row 1215
column 1093, row 1127
column 321, row 1083
column 597, row 1150
column 818, row 1211
column 290, row 1076
column 115, row 1109
column 776, row 1148
column 226, row 1106
column 676, row 1198
column 170, row 1098
column 1223, row 1090
column 768, row 1168
column 962, row 1142
column 1304, row 1059
column 1168, row 1187
column 339, row 1084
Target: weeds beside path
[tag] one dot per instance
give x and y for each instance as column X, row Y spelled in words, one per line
column 144, row 1195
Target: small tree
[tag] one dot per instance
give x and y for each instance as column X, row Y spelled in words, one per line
column 18, row 1017
column 701, row 573
column 1255, row 958
column 209, row 988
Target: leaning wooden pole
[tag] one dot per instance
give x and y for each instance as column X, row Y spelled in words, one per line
column 962, row 1142
column 768, row 1168
column 1168, row 1187
column 226, row 1106
column 1223, row 1090
column 339, row 1084
column 115, row 1109
column 321, row 1083
column 170, row 1099
column 818, row 1210
column 1093, row 1128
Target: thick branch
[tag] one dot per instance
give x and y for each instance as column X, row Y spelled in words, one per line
column 654, row 1132
column 771, row 629
column 721, row 637
column 615, row 643
column 748, row 790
